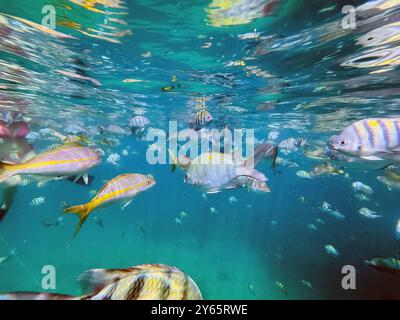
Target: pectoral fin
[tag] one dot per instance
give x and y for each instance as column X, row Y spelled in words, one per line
column 126, row 204
column 372, row 158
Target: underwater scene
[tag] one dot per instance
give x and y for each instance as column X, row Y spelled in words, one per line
column 207, row 149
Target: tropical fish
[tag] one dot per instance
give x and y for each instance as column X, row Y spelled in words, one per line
column 122, row 188
column 312, row 227
column 388, row 265
column 374, row 139
column 361, row 187
column 183, row 214
column 138, row 122
column 325, row 168
column 282, row 287
column 144, row 282
column 202, row 119
column 369, row 213
column 331, row 250
column 398, row 230
column 215, row 171
column 362, row 197
column 113, row 158
column 303, row 174
column 256, row 185
column 326, row 207
column 178, row 221
column 7, row 257
column 389, row 183
column 307, row 284
column 232, row 200
column 213, row 210
column 38, row 201
column 167, row 88
column 68, row 160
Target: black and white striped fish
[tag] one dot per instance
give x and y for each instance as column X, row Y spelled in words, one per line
column 144, row 282
column 370, row 139
column 138, row 122
column 202, row 119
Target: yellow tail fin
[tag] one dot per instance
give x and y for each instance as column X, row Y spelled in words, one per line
column 6, row 171
column 83, row 212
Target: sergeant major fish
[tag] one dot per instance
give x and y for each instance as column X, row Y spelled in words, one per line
column 68, row 160
column 201, row 119
column 122, row 188
column 144, row 282
column 370, row 139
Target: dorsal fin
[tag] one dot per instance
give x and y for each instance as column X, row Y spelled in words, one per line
column 94, row 280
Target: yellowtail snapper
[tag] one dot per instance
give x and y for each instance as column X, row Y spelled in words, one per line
column 122, row 188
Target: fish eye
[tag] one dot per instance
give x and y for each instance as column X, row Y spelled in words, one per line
column 342, row 142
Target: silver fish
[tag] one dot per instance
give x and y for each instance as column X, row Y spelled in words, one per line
column 215, row 172
column 374, row 139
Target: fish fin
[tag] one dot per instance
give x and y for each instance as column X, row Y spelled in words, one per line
column 372, row 158
column 264, row 150
column 86, row 178
column 211, row 191
column 127, row 203
column 81, row 180
column 6, row 171
column 94, row 280
column 252, row 173
column 174, row 160
column 35, row 296
column 83, row 212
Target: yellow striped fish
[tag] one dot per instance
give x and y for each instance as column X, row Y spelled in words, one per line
column 370, row 139
column 122, row 188
column 68, row 160
column 144, row 282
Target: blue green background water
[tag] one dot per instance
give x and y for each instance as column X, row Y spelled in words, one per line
column 261, row 239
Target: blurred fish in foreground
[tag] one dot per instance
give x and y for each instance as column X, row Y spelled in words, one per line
column 143, row 282
column 68, row 160
column 387, row 265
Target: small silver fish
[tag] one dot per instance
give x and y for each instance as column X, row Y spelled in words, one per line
column 7, row 257
column 113, row 158
column 331, row 250
column 361, row 187
column 38, row 201
column 232, row 200
column 303, row 174
column 369, row 214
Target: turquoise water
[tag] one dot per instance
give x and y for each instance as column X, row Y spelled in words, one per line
column 288, row 78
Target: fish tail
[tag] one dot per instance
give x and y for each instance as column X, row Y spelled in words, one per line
column 6, row 171
column 3, row 212
column 83, row 212
column 174, row 160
